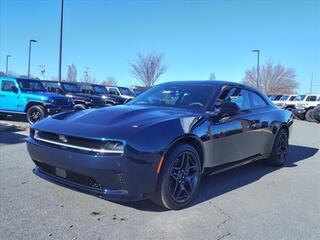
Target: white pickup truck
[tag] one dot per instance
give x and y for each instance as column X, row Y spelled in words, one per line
column 286, row 102
column 305, row 105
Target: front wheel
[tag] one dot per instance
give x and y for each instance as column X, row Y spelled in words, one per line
column 280, row 149
column 35, row 113
column 179, row 178
column 309, row 116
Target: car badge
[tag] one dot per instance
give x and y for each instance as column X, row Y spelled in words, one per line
column 63, row 138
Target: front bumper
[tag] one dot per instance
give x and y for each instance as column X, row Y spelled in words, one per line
column 299, row 113
column 110, row 177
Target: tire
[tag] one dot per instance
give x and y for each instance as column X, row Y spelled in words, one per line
column 179, row 178
column 280, row 149
column 80, row 106
column 35, row 113
column 309, row 116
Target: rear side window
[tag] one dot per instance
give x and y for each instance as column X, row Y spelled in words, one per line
column 238, row 96
column 257, row 101
column 7, row 85
column 311, row 98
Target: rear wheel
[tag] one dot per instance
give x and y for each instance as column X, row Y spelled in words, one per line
column 179, row 178
column 35, row 113
column 309, row 116
column 280, row 149
column 79, row 106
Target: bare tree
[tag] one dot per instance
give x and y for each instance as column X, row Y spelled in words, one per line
column 72, row 73
column 212, row 76
column 273, row 79
column 148, row 68
column 110, row 81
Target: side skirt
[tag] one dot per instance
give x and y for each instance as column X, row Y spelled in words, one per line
column 228, row 166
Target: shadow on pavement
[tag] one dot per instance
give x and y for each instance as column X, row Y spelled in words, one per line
column 216, row 185
column 11, row 137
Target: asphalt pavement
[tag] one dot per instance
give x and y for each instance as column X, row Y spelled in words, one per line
column 251, row 202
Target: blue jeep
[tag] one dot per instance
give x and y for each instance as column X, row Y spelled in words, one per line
column 28, row 96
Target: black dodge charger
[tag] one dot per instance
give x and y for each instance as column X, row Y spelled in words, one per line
column 161, row 143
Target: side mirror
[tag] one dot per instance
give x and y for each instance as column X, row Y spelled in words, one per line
column 228, row 109
column 14, row 89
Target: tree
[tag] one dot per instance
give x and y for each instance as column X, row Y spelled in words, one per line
column 110, row 81
column 72, row 73
column 42, row 71
column 2, row 74
column 212, row 76
column 273, row 79
column 148, row 68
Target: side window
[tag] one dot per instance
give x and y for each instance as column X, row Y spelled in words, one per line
column 238, row 96
column 257, row 101
column 311, row 98
column 7, row 85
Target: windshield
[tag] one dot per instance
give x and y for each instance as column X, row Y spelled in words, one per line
column 100, row 89
column 138, row 91
column 70, row 87
column 126, row 91
column 31, row 85
column 272, row 97
column 284, row 98
column 300, row 97
column 292, row 98
column 181, row 96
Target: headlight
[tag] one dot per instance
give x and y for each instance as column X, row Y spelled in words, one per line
column 112, row 146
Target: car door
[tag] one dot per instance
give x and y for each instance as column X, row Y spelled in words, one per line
column 260, row 117
column 232, row 137
column 9, row 99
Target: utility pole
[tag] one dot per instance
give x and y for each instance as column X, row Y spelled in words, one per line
column 7, row 64
column 60, row 48
column 30, row 41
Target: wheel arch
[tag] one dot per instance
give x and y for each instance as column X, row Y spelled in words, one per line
column 193, row 140
column 33, row 103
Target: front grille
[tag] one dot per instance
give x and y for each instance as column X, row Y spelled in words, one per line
column 81, row 142
column 111, row 179
column 61, row 102
column 71, row 176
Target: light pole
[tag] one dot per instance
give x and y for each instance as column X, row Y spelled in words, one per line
column 60, row 48
column 31, row 41
column 7, row 64
column 258, row 65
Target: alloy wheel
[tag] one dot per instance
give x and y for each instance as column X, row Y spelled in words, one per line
column 184, row 177
column 282, row 148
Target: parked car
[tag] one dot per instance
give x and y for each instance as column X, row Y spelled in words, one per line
column 286, row 102
column 99, row 90
column 316, row 113
column 120, row 94
column 162, row 142
column 72, row 90
column 305, row 106
column 30, row 98
column 138, row 89
column 275, row 98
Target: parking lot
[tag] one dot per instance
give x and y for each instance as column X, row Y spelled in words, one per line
column 250, row 202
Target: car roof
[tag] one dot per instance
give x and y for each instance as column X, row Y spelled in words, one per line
column 211, row 82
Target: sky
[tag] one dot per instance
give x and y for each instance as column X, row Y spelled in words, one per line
column 196, row 37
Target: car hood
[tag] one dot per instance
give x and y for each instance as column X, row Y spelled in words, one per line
column 113, row 122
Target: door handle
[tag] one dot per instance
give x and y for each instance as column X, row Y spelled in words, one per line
column 1, row 95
